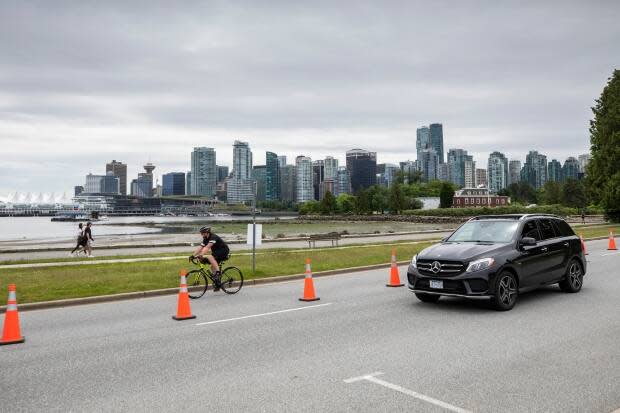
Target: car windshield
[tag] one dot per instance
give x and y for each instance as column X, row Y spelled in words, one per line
column 485, row 231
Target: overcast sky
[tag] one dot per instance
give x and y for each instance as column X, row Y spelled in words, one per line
column 82, row 83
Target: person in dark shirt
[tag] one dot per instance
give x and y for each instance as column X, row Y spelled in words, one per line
column 88, row 235
column 213, row 249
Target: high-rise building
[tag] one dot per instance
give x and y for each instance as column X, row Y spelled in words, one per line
column 583, row 163
column 497, row 172
column 303, row 174
column 554, row 171
column 240, row 187
column 119, row 170
column 282, row 160
column 143, row 186
column 436, row 133
column 78, row 189
column 259, row 173
column 481, row 178
column 362, row 166
column 318, row 176
column 188, row 183
column 222, row 173
column 204, row 171
column 443, row 172
column 428, row 162
column 570, row 170
column 173, row 184
column 514, row 171
column 343, row 181
column 331, row 167
column 408, row 168
column 534, row 170
column 288, row 185
column 469, row 168
column 423, row 140
column 386, row 173
column 101, row 184
column 456, row 166
column 272, row 177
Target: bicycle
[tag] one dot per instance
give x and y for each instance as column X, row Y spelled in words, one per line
column 231, row 278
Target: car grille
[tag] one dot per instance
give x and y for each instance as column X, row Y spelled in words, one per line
column 447, row 268
column 449, row 286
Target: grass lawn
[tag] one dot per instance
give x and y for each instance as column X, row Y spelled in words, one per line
column 54, row 283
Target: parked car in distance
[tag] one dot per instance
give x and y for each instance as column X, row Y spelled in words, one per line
column 498, row 257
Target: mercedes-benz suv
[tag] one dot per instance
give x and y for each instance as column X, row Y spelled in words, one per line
column 498, row 257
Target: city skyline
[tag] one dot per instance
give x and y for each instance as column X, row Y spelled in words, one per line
column 161, row 80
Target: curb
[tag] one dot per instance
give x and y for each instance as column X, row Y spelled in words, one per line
column 171, row 291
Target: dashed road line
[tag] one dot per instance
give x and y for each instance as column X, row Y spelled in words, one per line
column 263, row 314
column 373, row 379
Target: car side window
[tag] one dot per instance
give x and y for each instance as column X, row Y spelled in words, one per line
column 530, row 230
column 546, row 228
column 563, row 228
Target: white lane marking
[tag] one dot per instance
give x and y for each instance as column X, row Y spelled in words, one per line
column 373, row 379
column 263, row 314
column 610, row 253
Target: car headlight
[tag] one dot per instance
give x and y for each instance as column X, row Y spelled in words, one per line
column 414, row 261
column 481, row 264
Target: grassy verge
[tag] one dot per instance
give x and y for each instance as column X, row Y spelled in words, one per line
column 54, row 283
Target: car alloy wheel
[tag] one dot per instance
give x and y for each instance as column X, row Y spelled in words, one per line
column 507, row 290
column 574, row 275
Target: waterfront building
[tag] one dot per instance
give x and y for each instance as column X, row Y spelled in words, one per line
column 456, row 166
column 304, row 179
column 514, row 171
column 436, row 135
column 101, row 184
column 288, row 191
column 204, row 171
column 481, row 178
column 143, row 186
column 173, row 183
column 554, row 171
column 478, row 197
column 423, row 140
column 222, row 173
column 583, row 163
column 240, row 187
column 497, row 172
column 362, row 166
column 534, row 170
column 571, row 168
column 272, row 177
column 259, row 173
column 343, row 181
column 119, row 170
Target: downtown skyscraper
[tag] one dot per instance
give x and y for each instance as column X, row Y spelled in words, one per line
column 203, row 172
column 436, row 138
column 497, row 172
column 272, row 177
column 240, row 187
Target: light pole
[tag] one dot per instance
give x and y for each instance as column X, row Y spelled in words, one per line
column 254, row 189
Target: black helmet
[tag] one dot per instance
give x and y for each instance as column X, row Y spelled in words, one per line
column 205, row 229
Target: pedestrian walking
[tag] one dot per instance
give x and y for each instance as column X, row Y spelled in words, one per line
column 88, row 235
column 80, row 244
column 583, row 216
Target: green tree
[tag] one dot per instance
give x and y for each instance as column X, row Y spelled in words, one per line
column 445, row 195
column 522, row 192
column 397, row 201
column 574, row 194
column 309, row 207
column 603, row 174
column 345, row 203
column 362, row 202
column 552, row 193
column 328, row 203
column 378, row 196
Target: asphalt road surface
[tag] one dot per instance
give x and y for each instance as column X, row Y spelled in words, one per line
column 264, row 351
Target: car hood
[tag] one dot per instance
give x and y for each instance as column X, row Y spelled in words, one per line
column 457, row 251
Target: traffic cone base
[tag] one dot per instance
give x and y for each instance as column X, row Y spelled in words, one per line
column 5, row 343
column 183, row 318
column 183, row 309
column 394, row 277
column 394, row 285
column 309, row 299
column 10, row 330
column 612, row 242
column 309, row 294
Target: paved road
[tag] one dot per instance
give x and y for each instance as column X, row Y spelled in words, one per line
column 235, row 247
column 554, row 352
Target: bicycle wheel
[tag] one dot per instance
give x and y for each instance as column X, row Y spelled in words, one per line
column 232, row 280
column 196, row 283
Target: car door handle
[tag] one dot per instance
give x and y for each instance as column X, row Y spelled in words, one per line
column 544, row 249
column 566, row 244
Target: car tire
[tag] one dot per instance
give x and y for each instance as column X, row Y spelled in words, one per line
column 506, row 292
column 573, row 280
column 428, row 298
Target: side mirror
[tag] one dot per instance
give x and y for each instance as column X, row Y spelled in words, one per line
column 527, row 242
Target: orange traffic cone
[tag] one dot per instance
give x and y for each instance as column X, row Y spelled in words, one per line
column 183, row 310
column 612, row 241
column 583, row 245
column 394, row 277
column 309, row 294
column 10, row 332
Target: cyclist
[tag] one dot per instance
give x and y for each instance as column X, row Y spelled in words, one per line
column 214, row 250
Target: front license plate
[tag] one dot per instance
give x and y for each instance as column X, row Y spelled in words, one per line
column 436, row 284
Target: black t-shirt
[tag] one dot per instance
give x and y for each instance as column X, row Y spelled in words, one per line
column 217, row 244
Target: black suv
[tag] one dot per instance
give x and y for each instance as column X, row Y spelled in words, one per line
column 497, row 257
